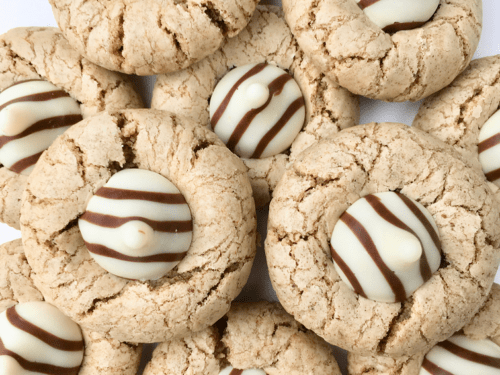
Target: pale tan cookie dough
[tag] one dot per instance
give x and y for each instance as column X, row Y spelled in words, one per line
column 330, row 176
column 485, row 324
column 267, row 38
column 102, row 355
column 150, row 36
column 258, row 335
column 408, row 65
column 199, row 290
column 44, row 53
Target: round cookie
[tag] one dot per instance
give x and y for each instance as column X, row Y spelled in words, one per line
column 44, row 53
column 194, row 294
column 484, row 325
column 267, row 38
column 259, row 336
column 408, row 65
column 101, row 356
column 457, row 114
column 329, row 177
column 152, row 36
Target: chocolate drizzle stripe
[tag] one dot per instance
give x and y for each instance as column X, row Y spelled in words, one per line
column 363, row 236
column 223, row 105
column 110, row 221
column 387, row 215
column 48, row 338
column 399, row 26
column 347, row 272
column 269, row 136
column 115, row 193
column 493, row 175
column 45, row 124
column 40, row 97
column 488, row 143
column 20, row 82
column 27, row 162
column 432, row 368
column 366, row 3
column 155, row 258
column 236, row 372
column 469, row 355
column 275, row 88
column 37, row 366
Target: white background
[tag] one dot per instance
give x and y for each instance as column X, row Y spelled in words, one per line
column 16, row 13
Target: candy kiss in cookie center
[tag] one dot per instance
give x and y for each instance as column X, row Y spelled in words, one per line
column 257, row 110
column 489, row 148
column 138, row 225
column 230, row 370
column 385, row 246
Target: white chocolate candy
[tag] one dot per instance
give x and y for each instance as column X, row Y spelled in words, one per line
column 396, row 15
column 230, row 370
column 385, row 246
column 138, row 225
column 32, row 115
column 460, row 355
column 489, row 148
column 257, row 110
column 36, row 338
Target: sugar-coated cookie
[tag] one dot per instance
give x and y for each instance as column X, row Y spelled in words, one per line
column 213, row 182
column 151, row 36
column 331, row 176
column 239, row 119
column 101, row 355
column 480, row 336
column 62, row 88
column 346, row 41
column 252, row 339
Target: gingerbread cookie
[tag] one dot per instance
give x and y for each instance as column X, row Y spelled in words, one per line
column 153, row 36
column 45, row 87
column 474, row 350
column 252, row 339
column 80, row 168
column 428, row 180
column 258, row 107
column 359, row 45
column 466, row 116
column 61, row 348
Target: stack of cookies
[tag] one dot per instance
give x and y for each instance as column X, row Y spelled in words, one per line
column 139, row 226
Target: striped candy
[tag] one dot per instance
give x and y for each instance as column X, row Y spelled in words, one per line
column 385, row 246
column 489, row 148
column 35, row 337
column 138, row 225
column 460, row 355
column 395, row 15
column 232, row 371
column 257, row 110
column 32, row 115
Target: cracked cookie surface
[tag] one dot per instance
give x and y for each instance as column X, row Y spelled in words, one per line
column 199, row 289
column 326, row 179
column 44, row 53
column 408, row 65
column 101, row 356
column 484, row 325
column 150, row 36
column 267, row 38
column 257, row 335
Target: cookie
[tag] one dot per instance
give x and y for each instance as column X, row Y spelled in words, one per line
column 213, row 182
column 481, row 334
column 152, row 37
column 62, row 88
column 456, row 115
column 101, row 355
column 329, row 177
column 266, row 40
column 358, row 54
column 252, row 339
